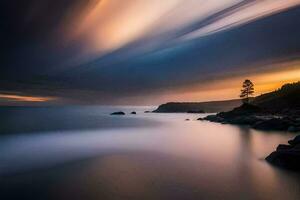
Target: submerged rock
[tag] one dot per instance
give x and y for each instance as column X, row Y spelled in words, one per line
column 287, row 156
column 117, row 113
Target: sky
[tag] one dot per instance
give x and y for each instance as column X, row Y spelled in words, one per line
column 145, row 52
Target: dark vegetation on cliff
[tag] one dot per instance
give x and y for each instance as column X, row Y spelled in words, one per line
column 286, row 99
column 278, row 110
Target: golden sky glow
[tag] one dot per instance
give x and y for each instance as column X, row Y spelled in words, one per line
column 111, row 24
column 229, row 88
column 13, row 97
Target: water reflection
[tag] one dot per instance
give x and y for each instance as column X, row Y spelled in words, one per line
column 45, row 119
column 170, row 159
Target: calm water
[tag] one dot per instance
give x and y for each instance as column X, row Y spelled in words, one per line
column 84, row 153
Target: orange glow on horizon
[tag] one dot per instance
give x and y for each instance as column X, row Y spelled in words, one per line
column 229, row 87
column 14, row 97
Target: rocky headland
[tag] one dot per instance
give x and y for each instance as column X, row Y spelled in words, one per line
column 257, row 118
column 278, row 110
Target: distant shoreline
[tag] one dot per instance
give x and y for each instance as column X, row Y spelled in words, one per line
column 198, row 107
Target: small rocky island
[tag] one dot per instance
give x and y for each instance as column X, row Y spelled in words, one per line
column 117, row 113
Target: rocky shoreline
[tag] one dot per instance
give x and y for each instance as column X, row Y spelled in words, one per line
column 257, row 118
column 285, row 156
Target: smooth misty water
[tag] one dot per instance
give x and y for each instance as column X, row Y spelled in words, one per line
column 84, row 153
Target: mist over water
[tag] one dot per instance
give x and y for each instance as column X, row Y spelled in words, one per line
column 84, row 153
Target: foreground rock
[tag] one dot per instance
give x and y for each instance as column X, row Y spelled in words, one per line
column 287, row 156
column 117, row 113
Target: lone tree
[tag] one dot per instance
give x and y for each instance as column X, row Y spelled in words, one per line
column 247, row 90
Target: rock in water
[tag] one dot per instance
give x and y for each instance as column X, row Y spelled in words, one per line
column 133, row 113
column 117, row 113
column 287, row 156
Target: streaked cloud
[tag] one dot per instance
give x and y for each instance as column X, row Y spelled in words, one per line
column 145, row 52
column 246, row 13
column 15, row 97
column 112, row 24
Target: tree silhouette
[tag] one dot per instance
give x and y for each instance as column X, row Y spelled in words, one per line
column 247, row 90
